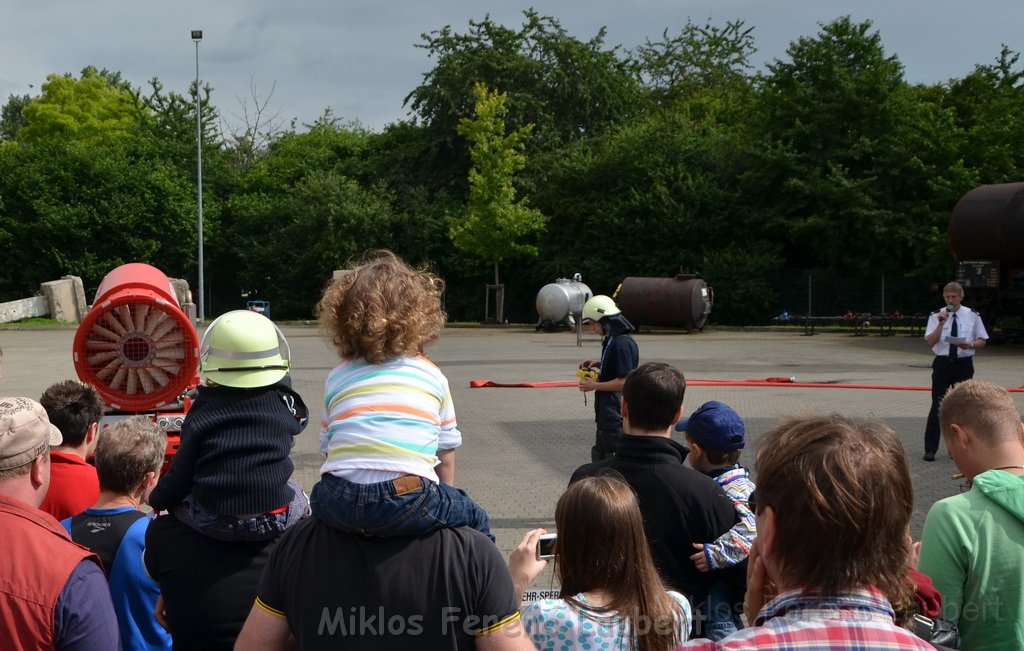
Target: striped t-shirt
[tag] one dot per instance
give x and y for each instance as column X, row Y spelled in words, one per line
column 385, row 420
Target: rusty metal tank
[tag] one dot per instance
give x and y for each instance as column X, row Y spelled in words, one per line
column 558, row 301
column 988, row 224
column 684, row 301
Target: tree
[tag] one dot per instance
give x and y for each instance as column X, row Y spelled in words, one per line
column 495, row 223
column 12, row 117
column 697, row 59
column 96, row 108
column 567, row 88
column 988, row 103
column 860, row 170
column 71, row 208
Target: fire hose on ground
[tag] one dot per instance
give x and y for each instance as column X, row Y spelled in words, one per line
column 776, row 382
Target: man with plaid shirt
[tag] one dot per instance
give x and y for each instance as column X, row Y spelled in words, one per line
column 833, row 503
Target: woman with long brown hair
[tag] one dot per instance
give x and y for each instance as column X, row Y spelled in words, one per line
column 611, row 594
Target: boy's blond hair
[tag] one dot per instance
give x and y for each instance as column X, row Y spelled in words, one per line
column 985, row 408
column 382, row 309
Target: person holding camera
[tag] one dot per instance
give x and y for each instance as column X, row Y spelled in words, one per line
column 611, row 595
column 955, row 333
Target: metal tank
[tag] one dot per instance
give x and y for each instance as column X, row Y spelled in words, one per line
column 557, row 302
column 988, row 224
column 986, row 237
column 682, row 302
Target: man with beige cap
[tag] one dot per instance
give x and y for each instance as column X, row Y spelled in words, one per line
column 53, row 594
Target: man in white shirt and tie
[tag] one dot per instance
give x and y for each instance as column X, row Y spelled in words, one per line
column 955, row 333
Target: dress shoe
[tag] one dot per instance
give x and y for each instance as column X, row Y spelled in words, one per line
column 929, row 456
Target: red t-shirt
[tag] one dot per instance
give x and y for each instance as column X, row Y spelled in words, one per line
column 74, row 486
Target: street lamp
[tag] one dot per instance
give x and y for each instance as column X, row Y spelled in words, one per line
column 197, row 35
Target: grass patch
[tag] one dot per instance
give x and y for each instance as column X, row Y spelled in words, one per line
column 37, row 322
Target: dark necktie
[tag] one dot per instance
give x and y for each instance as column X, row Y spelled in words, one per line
column 953, row 333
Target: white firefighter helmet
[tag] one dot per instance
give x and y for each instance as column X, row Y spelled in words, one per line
column 599, row 307
column 244, row 349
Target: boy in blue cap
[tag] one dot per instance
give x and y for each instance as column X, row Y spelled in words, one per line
column 716, row 435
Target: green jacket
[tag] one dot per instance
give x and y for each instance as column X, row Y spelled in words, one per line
column 973, row 549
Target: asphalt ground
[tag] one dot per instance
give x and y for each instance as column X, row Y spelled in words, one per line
column 521, row 445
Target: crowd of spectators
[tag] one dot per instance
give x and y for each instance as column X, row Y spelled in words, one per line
column 659, row 545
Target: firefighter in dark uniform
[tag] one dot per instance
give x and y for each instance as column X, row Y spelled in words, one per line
column 955, row 333
column 619, row 356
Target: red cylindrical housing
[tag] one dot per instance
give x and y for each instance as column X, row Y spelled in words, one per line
column 136, row 346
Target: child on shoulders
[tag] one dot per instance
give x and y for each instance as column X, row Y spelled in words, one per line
column 231, row 477
column 389, row 431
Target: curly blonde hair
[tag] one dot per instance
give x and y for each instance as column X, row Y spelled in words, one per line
column 382, row 308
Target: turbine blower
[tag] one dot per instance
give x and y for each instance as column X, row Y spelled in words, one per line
column 139, row 349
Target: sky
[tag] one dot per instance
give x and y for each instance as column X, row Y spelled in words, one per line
column 359, row 57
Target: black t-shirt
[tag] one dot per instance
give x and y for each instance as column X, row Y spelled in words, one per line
column 208, row 585
column 340, row 590
column 619, row 356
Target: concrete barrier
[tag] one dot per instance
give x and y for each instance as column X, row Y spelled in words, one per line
column 25, row 308
column 66, row 298
column 63, row 300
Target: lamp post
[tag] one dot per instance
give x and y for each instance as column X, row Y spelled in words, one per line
column 197, row 35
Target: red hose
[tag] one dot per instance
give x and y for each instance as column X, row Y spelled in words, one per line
column 767, row 382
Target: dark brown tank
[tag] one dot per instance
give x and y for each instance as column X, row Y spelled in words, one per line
column 988, row 224
column 681, row 302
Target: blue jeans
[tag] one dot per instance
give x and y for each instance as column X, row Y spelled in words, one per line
column 407, row 506
column 721, row 617
column 237, row 528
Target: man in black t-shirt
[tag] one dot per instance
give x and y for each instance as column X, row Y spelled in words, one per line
column 449, row 589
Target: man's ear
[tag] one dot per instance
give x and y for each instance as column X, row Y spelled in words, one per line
column 624, row 409
column 40, row 470
column 960, row 434
column 92, row 432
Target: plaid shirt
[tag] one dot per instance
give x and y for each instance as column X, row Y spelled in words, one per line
column 858, row 620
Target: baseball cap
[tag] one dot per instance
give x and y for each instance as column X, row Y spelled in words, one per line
column 25, row 432
column 716, row 426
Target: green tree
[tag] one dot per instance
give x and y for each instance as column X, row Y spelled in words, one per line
column 12, row 117
column 859, row 169
column 304, row 190
column 988, row 103
column 495, row 224
column 699, row 58
column 567, row 88
column 72, row 208
column 94, row 109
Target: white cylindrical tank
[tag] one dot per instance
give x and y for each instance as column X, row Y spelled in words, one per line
column 558, row 301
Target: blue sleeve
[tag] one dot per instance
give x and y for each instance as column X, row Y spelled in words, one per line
column 66, row 523
column 135, row 593
column 621, row 358
column 84, row 619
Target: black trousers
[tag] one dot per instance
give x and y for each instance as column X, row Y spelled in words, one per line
column 945, row 373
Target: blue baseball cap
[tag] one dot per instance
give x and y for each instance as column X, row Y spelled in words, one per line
column 716, row 426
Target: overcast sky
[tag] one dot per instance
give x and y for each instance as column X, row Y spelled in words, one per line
column 358, row 57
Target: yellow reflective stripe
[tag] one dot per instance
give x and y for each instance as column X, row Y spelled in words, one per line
column 268, row 609
column 511, row 619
